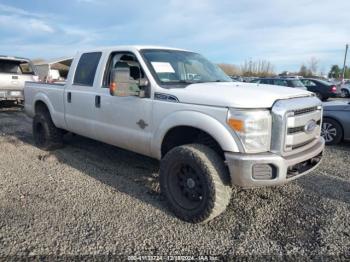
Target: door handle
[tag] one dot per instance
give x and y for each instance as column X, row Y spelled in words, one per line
column 98, row 101
column 69, row 97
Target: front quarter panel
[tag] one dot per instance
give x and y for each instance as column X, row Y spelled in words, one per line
column 209, row 119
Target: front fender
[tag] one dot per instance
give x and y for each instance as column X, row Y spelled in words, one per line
column 198, row 120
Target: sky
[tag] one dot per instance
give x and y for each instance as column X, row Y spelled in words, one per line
column 286, row 33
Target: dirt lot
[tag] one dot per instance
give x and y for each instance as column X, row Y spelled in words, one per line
column 90, row 198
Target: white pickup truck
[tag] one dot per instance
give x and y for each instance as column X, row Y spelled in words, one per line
column 208, row 132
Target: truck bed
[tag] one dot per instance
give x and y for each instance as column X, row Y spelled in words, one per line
column 51, row 94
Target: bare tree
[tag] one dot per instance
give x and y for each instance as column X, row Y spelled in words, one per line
column 257, row 68
column 313, row 65
column 229, row 69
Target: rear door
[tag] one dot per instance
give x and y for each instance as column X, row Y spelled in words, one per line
column 79, row 96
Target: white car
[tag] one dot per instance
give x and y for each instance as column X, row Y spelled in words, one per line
column 14, row 72
column 208, row 132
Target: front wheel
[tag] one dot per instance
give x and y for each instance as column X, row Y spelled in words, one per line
column 331, row 131
column 344, row 93
column 195, row 182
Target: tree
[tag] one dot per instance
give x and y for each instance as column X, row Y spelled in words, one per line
column 260, row 68
column 304, row 71
column 313, row 65
column 229, row 69
column 335, row 72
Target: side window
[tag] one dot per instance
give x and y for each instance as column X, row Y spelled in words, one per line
column 280, row 82
column 121, row 60
column 264, row 81
column 86, row 69
column 310, row 83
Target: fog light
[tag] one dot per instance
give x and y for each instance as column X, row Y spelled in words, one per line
column 264, row 172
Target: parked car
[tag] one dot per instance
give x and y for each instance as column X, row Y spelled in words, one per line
column 336, row 122
column 280, row 81
column 14, row 72
column 321, row 88
column 237, row 78
column 208, row 133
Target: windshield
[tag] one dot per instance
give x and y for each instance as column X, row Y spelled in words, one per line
column 181, row 67
column 297, row 83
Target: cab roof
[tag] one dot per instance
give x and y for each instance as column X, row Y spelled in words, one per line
column 130, row 48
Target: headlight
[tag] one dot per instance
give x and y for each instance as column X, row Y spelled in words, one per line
column 253, row 128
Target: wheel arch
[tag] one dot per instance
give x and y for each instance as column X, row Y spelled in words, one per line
column 192, row 122
column 42, row 102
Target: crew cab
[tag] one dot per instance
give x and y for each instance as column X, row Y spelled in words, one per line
column 14, row 72
column 209, row 133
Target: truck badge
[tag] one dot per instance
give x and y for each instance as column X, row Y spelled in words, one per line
column 142, row 124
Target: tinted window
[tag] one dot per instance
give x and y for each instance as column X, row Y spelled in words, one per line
column 323, row 82
column 86, row 69
column 257, row 81
column 264, row 81
column 280, row 82
column 296, row 83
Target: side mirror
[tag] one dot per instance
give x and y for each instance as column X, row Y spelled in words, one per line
column 121, row 84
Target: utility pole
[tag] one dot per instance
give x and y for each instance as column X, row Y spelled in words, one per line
column 346, row 52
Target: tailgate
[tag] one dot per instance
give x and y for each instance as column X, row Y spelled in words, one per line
column 14, row 81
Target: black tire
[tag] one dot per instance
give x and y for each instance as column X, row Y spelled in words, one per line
column 344, row 93
column 319, row 96
column 332, row 131
column 195, row 182
column 46, row 135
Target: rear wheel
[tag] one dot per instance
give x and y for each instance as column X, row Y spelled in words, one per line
column 46, row 135
column 319, row 95
column 195, row 182
column 332, row 131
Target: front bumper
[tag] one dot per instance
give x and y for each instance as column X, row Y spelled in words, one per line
column 284, row 169
column 11, row 95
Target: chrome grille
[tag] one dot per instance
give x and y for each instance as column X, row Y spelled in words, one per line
column 305, row 110
column 296, row 124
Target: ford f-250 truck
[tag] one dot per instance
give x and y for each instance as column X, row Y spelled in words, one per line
column 208, row 132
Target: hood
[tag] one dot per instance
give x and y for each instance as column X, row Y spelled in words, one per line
column 233, row 94
column 335, row 105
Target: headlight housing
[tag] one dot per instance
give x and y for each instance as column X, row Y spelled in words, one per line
column 253, row 128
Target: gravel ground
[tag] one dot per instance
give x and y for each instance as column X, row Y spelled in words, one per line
column 90, row 198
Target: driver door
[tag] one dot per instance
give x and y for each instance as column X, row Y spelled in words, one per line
column 123, row 121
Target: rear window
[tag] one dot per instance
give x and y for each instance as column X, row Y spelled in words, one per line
column 86, row 69
column 324, row 82
column 16, row 67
